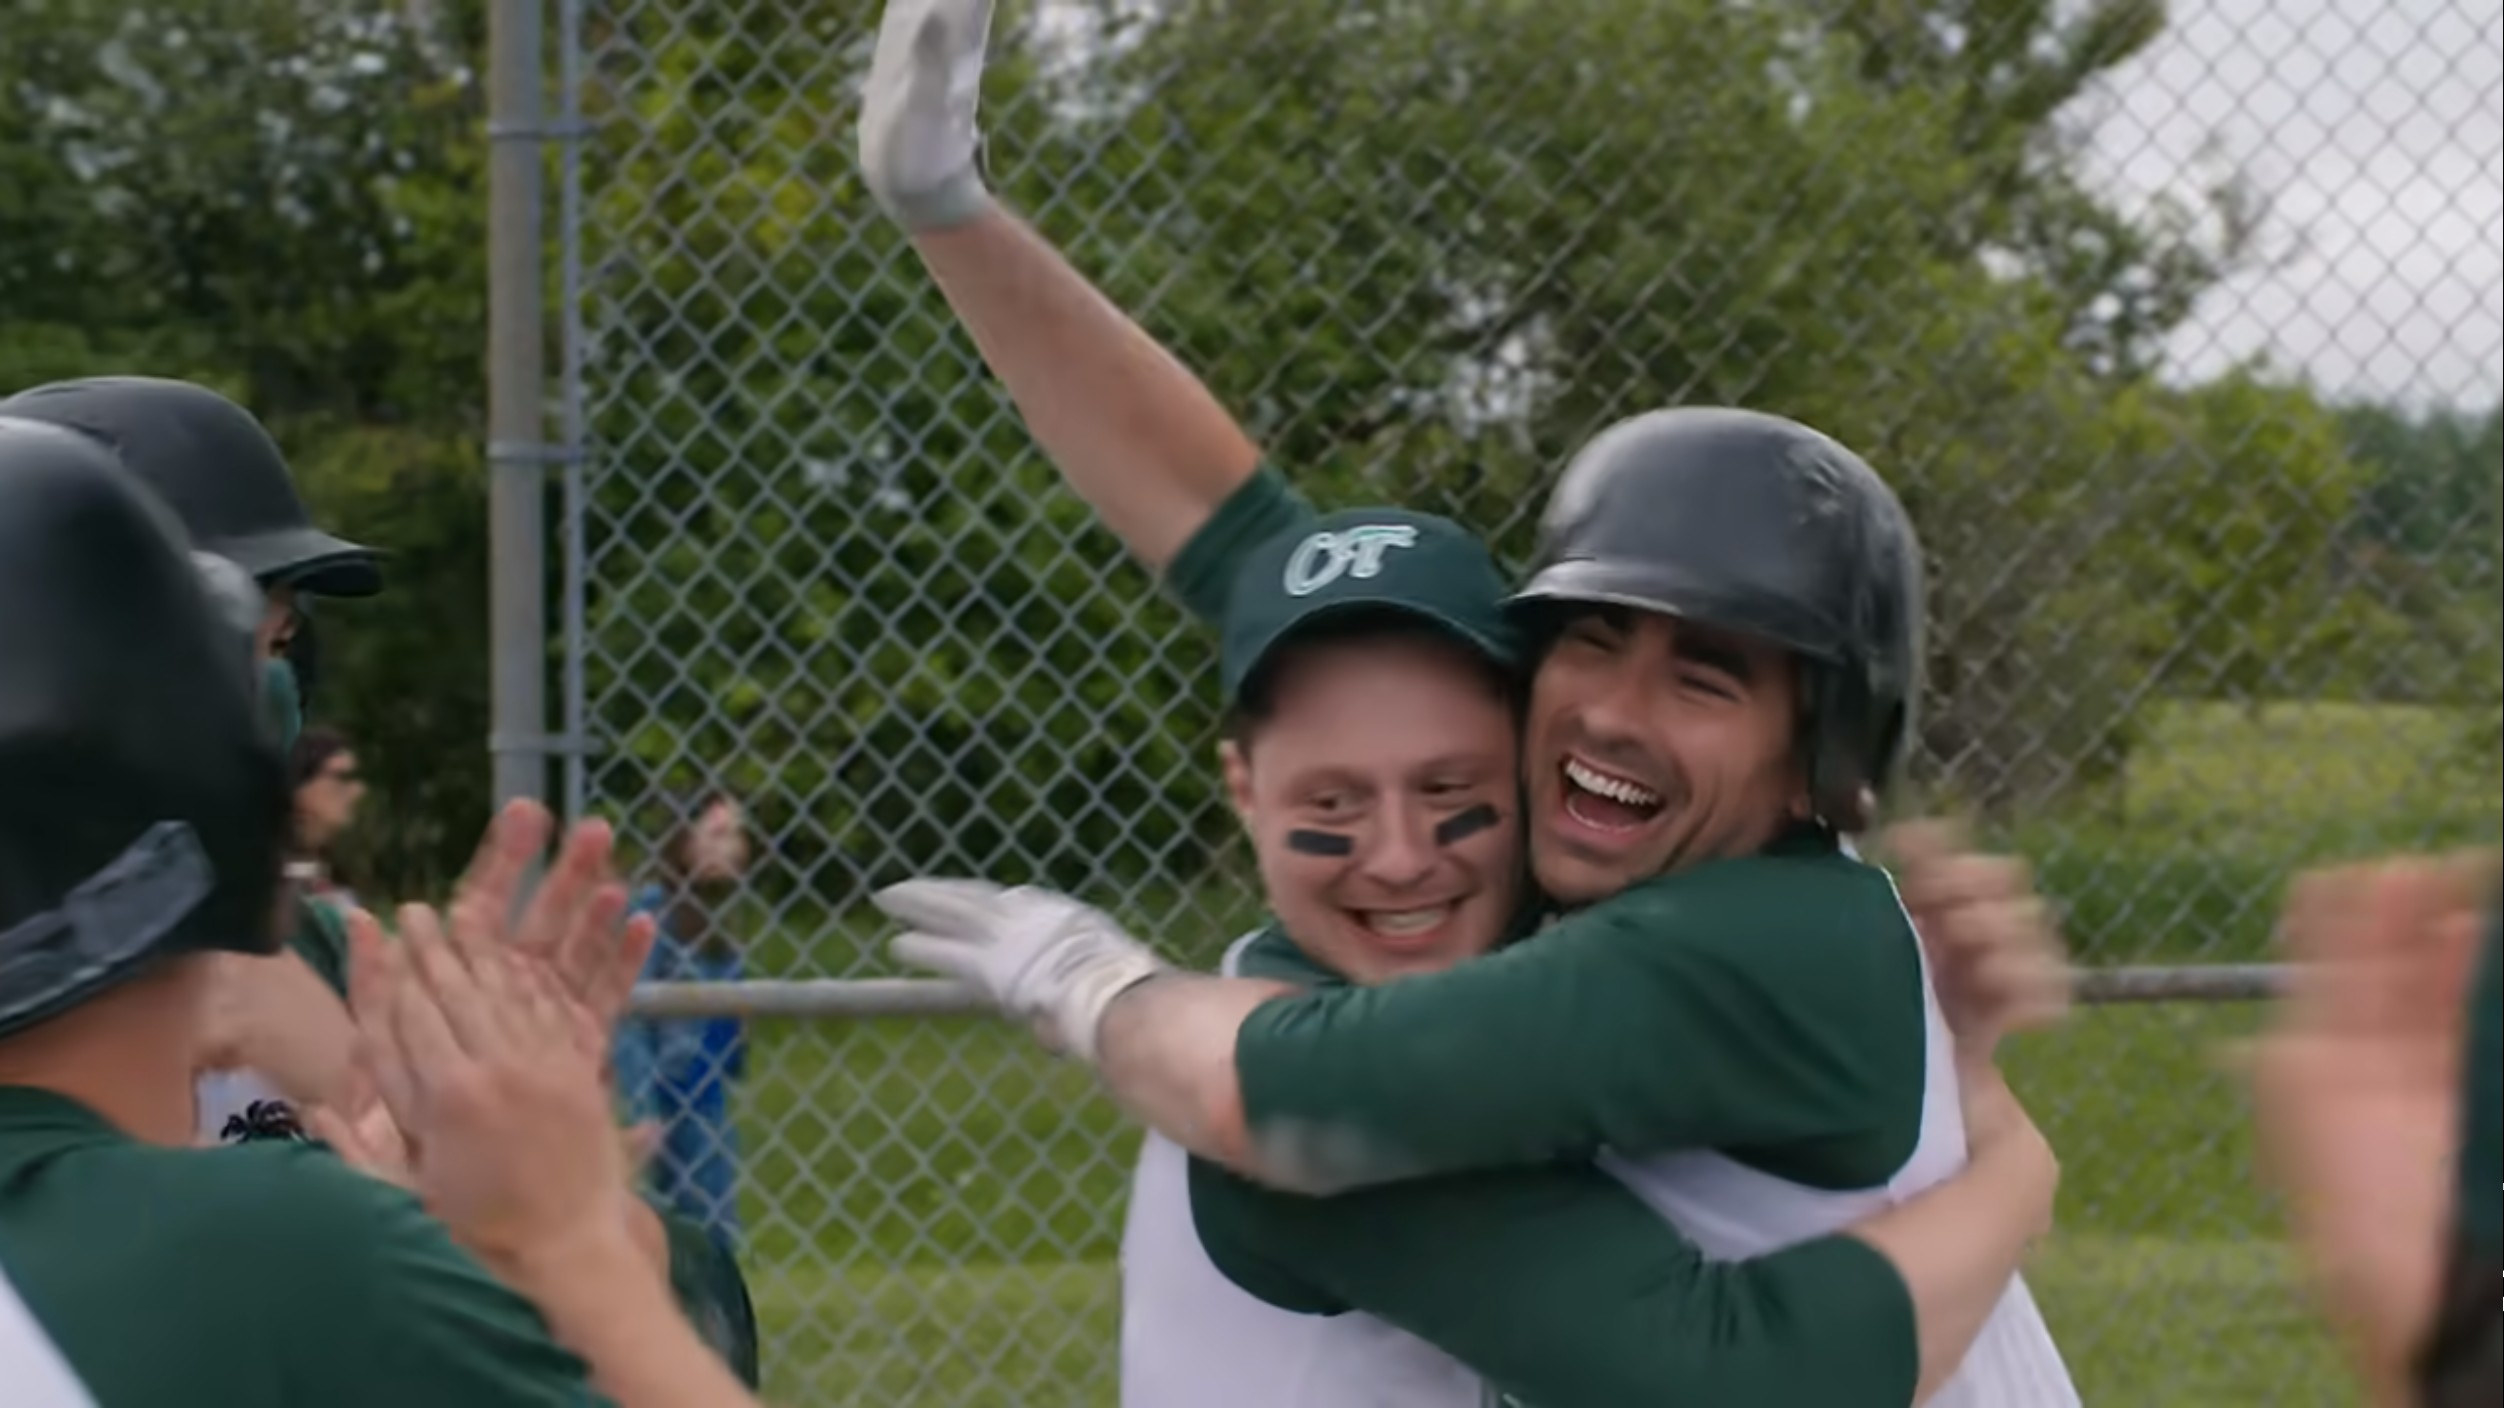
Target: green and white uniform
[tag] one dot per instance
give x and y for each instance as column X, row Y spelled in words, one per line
column 1558, row 1282
column 1191, row 1336
column 703, row 1275
column 30, row 1363
column 263, row 1276
column 1771, row 1008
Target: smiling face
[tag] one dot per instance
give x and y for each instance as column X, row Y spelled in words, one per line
column 1377, row 782
column 1653, row 744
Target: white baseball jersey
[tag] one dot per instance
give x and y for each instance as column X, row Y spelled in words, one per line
column 218, row 1096
column 1733, row 1212
column 1191, row 1338
column 32, row 1372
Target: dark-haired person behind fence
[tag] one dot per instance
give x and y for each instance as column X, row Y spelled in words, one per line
column 323, row 770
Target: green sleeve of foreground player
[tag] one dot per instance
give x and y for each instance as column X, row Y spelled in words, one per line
column 1202, row 575
column 1563, row 1289
column 1559, row 1285
column 1769, row 1007
column 2482, row 1125
column 265, row 1273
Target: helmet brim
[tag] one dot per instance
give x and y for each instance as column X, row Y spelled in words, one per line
column 309, row 560
column 1651, row 587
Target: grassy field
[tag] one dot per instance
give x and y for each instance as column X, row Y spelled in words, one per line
column 934, row 1210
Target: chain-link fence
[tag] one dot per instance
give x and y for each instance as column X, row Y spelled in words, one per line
column 2177, row 327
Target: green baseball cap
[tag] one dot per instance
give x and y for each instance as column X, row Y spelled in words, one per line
column 1374, row 559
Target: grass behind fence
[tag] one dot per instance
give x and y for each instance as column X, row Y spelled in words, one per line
column 935, row 1209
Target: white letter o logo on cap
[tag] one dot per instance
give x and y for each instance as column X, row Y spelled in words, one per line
column 1325, row 557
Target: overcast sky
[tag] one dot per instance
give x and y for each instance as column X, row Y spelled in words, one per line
column 2378, row 128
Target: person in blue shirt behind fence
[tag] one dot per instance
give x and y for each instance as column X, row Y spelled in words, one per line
column 677, row 1072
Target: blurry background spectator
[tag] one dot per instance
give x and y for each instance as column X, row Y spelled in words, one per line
column 678, row 1072
column 328, row 788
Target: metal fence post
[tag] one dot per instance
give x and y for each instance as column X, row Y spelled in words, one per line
column 516, row 410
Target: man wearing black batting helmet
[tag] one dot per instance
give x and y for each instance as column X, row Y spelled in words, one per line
column 143, row 816
column 215, row 465
column 1725, row 1008
column 1728, row 539
column 279, row 1034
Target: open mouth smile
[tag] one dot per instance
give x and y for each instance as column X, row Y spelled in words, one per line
column 1605, row 801
column 1407, row 929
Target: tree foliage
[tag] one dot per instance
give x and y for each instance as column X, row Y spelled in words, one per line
column 284, row 200
column 1424, row 248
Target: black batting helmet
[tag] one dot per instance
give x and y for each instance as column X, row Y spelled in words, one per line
column 216, row 467
column 1756, row 524
column 143, row 803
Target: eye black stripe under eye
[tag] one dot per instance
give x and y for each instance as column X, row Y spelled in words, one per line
column 1467, row 824
column 1322, row 843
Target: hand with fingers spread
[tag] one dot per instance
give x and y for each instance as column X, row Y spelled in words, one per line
column 273, row 1016
column 2357, row 1092
column 586, row 959
column 492, row 1073
column 491, row 1069
column 919, row 137
column 1041, row 957
column 1996, row 958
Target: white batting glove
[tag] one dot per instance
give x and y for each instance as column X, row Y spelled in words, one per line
column 918, row 134
column 1039, row 956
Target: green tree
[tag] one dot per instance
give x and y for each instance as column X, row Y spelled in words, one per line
column 2436, row 484
column 830, row 570
column 283, row 199
column 1434, row 247
column 2428, row 540
column 1425, row 250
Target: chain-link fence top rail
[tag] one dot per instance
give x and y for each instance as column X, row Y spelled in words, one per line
column 2197, row 617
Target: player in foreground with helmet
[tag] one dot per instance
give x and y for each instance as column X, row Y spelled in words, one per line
column 282, row 1024
column 143, row 811
column 279, row 1031
column 1727, row 644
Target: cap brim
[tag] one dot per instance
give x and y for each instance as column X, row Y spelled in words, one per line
column 1503, row 652
column 309, row 560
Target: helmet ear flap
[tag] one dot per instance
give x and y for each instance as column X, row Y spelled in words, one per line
column 234, row 598
column 1850, row 751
